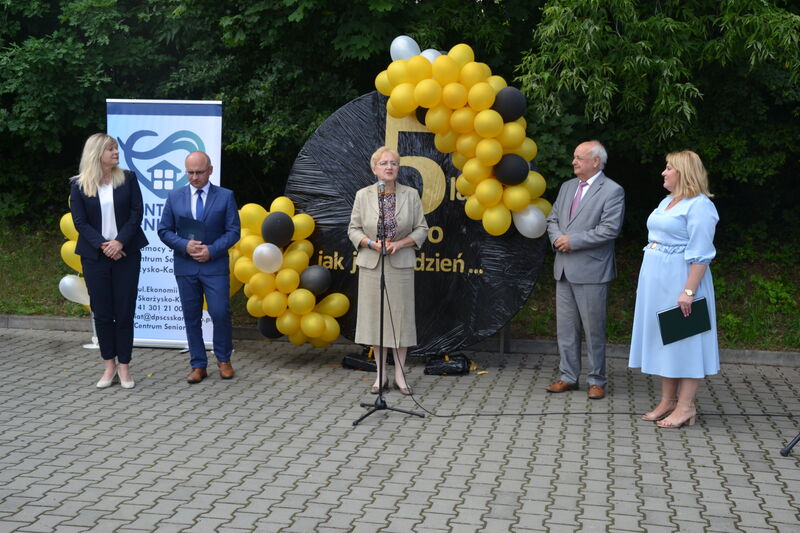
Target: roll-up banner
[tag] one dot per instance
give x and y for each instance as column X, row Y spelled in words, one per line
column 154, row 138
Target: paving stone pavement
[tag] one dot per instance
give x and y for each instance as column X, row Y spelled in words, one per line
column 275, row 449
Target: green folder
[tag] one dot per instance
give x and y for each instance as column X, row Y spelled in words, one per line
column 674, row 326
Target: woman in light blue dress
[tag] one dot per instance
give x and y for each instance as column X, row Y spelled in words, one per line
column 675, row 272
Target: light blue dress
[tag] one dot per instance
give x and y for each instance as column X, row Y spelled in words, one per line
column 678, row 238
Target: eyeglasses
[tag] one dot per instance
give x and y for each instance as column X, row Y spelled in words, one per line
column 389, row 163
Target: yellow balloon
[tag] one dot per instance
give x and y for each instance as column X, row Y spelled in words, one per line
column 516, row 197
column 332, row 329
column 70, row 258
column 296, row 260
column 383, row 85
column 466, row 144
column 287, row 280
column 542, row 205
column 488, row 123
column 458, row 159
column 471, row 73
column 68, row 227
column 461, row 120
column 489, row 152
column 489, row 192
column 335, row 304
column 473, row 208
column 392, row 110
column 288, row 323
column 297, row 338
column 474, row 171
column 303, row 245
column 512, row 135
column 274, row 304
column 251, row 216
column 261, row 284
column 318, row 343
column 481, row 96
column 535, row 183
column 527, row 150
column 487, row 71
column 233, row 255
column 312, row 325
column 255, row 306
column 244, row 232
column 303, row 226
column 244, row 269
column 419, row 68
column 522, row 122
column 398, row 73
column 301, row 301
column 248, row 289
column 234, row 287
column 454, row 95
column 402, row 98
column 446, row 142
column 437, row 119
column 445, row 70
column 249, row 243
column 497, row 83
column 428, row 93
column 496, row 220
column 464, row 186
column 282, row 204
column 462, row 54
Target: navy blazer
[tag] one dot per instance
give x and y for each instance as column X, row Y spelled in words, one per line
column 88, row 220
column 221, row 219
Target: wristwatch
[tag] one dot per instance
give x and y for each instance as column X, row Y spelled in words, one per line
column 689, row 292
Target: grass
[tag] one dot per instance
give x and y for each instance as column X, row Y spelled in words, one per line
column 757, row 293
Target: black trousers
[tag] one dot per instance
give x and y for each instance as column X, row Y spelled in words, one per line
column 113, row 287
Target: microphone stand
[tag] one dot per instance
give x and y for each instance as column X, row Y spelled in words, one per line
column 380, row 402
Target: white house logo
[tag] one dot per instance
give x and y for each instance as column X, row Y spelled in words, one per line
column 163, row 162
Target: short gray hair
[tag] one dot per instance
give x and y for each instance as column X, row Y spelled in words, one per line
column 598, row 150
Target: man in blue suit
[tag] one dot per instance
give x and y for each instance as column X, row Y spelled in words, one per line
column 201, row 265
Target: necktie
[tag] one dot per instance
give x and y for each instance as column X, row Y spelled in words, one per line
column 199, row 206
column 577, row 200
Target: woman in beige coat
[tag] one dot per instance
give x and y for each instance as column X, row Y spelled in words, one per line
column 406, row 230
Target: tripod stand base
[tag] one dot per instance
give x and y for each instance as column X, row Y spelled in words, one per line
column 785, row 451
column 380, row 405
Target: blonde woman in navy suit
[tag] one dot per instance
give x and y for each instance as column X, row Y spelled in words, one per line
column 106, row 205
column 406, row 230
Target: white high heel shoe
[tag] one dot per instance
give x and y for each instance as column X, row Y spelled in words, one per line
column 106, row 383
column 127, row 384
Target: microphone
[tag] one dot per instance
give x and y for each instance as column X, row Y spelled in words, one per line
column 381, row 188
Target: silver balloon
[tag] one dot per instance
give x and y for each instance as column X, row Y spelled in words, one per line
column 403, row 47
column 430, row 54
column 267, row 257
column 73, row 288
column 530, row 222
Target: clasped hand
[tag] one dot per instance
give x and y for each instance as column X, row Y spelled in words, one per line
column 112, row 249
column 198, row 251
column 562, row 244
column 391, row 246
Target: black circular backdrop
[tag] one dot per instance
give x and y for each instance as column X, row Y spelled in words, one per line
column 468, row 284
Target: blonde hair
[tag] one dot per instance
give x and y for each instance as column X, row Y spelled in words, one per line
column 693, row 178
column 373, row 161
column 90, row 171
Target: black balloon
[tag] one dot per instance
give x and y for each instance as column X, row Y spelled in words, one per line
column 315, row 278
column 420, row 113
column 278, row 229
column 511, row 170
column 267, row 327
column 510, row 103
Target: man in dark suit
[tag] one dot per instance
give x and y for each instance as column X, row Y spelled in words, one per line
column 201, row 265
column 583, row 224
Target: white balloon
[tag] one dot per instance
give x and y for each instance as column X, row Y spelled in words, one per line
column 73, row 288
column 403, row 47
column 430, row 54
column 267, row 257
column 530, row 222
